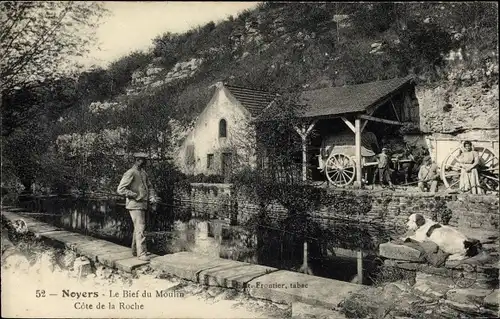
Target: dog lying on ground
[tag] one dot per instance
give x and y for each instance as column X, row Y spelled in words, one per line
column 448, row 239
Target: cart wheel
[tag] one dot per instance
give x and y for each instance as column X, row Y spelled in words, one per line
column 450, row 170
column 488, row 170
column 340, row 170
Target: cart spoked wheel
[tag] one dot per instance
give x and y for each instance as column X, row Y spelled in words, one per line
column 488, row 170
column 340, row 170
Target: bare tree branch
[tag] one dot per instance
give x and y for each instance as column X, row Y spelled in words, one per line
column 40, row 37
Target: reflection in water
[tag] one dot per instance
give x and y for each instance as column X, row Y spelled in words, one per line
column 332, row 246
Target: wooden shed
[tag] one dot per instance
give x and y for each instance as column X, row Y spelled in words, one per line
column 379, row 107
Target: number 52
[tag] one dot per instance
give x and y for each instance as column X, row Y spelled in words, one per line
column 40, row 293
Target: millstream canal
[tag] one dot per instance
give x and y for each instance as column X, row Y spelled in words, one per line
column 333, row 250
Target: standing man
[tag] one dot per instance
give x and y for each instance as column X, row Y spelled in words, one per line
column 383, row 168
column 428, row 174
column 137, row 189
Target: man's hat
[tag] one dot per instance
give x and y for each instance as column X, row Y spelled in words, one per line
column 141, row 155
column 384, row 149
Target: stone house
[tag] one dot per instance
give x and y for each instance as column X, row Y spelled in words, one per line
column 223, row 138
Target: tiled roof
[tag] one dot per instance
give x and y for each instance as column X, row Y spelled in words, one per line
column 349, row 99
column 253, row 100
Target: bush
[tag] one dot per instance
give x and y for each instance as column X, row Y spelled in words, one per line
column 387, row 274
column 372, row 19
column 167, row 179
column 202, row 178
column 121, row 70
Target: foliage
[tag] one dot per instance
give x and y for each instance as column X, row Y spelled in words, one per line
column 421, row 47
column 27, row 105
column 359, row 67
column 306, row 16
column 374, row 18
column 441, row 213
column 39, row 37
column 202, row 178
column 121, row 70
column 282, row 48
column 166, row 179
column 387, row 274
column 346, row 203
column 26, row 129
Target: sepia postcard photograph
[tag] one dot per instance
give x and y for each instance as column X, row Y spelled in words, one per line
column 175, row 159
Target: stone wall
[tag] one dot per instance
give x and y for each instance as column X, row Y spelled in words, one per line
column 213, row 200
column 475, row 212
column 386, row 209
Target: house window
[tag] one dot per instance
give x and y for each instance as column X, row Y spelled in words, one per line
column 210, row 160
column 222, row 128
column 190, row 159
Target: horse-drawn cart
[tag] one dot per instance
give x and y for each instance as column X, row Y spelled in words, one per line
column 338, row 154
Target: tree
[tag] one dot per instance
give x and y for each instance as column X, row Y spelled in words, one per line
column 38, row 38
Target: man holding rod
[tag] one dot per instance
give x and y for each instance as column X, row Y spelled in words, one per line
column 138, row 191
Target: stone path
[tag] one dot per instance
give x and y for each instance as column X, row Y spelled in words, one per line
column 257, row 281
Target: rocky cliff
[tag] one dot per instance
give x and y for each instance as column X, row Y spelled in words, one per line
column 282, row 47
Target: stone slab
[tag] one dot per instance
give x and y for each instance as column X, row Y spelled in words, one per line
column 10, row 215
column 434, row 279
column 30, row 221
column 317, row 291
column 402, row 264
column 34, row 225
column 302, row 310
column 232, row 275
column 471, row 310
column 43, row 228
column 475, row 296
column 110, row 259
column 129, row 264
column 15, row 209
column 401, row 252
column 483, row 259
column 68, row 239
column 187, row 265
column 99, row 247
column 492, row 300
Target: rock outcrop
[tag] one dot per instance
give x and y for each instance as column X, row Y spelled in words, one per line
column 153, row 76
column 451, row 109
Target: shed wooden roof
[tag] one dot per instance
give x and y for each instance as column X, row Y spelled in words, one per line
column 253, row 100
column 349, row 99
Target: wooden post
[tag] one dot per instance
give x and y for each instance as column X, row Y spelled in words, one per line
column 359, row 173
column 360, row 266
column 435, row 150
column 303, row 132
column 304, row 158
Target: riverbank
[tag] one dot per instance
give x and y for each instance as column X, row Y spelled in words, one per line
column 48, row 276
column 252, row 282
column 396, row 294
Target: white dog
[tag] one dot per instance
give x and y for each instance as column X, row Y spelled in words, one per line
column 447, row 238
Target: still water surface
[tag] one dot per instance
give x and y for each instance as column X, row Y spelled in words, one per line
column 331, row 252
